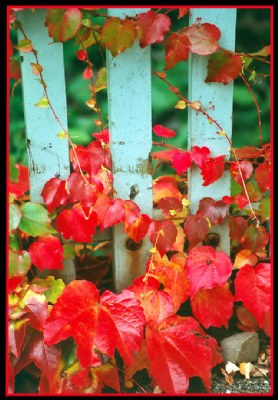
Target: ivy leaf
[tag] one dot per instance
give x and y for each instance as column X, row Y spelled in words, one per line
column 246, row 169
column 19, row 265
column 162, row 131
column 75, row 314
column 63, row 23
column 138, row 229
column 214, row 210
column 47, row 253
column 182, row 161
column 42, row 103
column 183, row 11
column 199, row 155
column 17, row 331
column 262, row 176
column 203, row 38
column 120, row 325
column 76, row 225
column 84, row 192
column 91, row 158
column 24, row 45
column 253, row 191
column 176, row 49
column 118, row 35
column 207, row 268
column 165, row 188
column 223, row 67
column 253, row 288
column 166, row 155
column 36, row 306
column 248, row 152
column 115, row 213
column 244, row 257
column 157, row 304
column 196, row 229
column 163, row 235
column 35, row 220
column 88, row 73
column 179, row 349
column 14, row 216
column 54, row 193
column 15, row 70
column 51, row 288
column 10, row 373
column 44, row 357
column 209, row 310
column 237, row 227
column 100, row 84
column 255, row 238
column 152, row 27
column 213, row 169
column 265, row 209
column 247, row 321
column 36, row 69
column 19, row 188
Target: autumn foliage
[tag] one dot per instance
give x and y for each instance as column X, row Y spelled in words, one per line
column 75, row 334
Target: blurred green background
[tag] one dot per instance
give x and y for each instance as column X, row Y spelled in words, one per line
column 252, row 33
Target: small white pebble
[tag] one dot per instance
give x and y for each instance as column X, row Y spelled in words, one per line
column 266, row 382
column 228, row 391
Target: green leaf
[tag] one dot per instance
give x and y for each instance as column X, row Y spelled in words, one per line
column 101, row 82
column 14, row 242
column 63, row 23
column 265, row 208
column 14, row 216
column 14, row 172
column 53, row 288
column 24, row 45
column 35, row 220
column 19, row 262
column 43, row 103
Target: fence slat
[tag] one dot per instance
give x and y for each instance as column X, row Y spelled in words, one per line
column 200, row 132
column 48, row 154
column 129, row 102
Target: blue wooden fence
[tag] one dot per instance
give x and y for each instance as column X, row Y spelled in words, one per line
column 129, row 100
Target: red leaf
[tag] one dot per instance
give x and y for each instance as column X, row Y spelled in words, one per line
column 203, row 38
column 88, row 73
column 36, row 307
column 19, row 188
column 237, row 227
column 47, row 253
column 118, row 35
column 115, row 214
column 75, row 314
column 253, row 288
column 207, row 268
column 256, row 238
column 163, row 235
column 164, row 188
column 199, row 155
column 91, row 158
column 76, row 225
column 17, row 331
column 152, row 27
column 102, row 136
column 247, row 321
column 166, row 155
column 139, row 228
column 241, row 200
column 44, row 357
column 262, row 176
column 223, row 67
column 81, row 55
column 162, row 131
column 63, row 23
column 183, row 11
column 84, row 192
column 176, row 49
column 54, row 193
column 10, row 373
column 182, row 161
column 228, row 199
column 195, row 228
column 214, row 210
column 179, row 349
column 248, row 152
column 209, row 310
column 120, row 325
column 157, row 305
column 15, row 70
column 168, row 204
column 132, row 211
column 213, row 169
column 246, row 169
column 142, row 285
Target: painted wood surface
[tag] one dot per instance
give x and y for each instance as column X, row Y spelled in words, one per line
column 129, row 104
column 200, row 131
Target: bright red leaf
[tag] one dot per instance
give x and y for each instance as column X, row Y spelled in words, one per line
column 214, row 210
column 183, row 11
column 176, row 49
column 182, row 161
column 47, row 253
column 157, row 305
column 115, row 214
column 84, row 192
column 203, row 38
column 88, row 73
column 195, row 228
column 223, row 67
column 76, row 225
column 246, row 169
column 255, row 238
column 139, row 228
column 63, row 23
column 213, row 169
column 19, row 188
column 241, row 200
column 163, row 235
column 120, row 325
column 132, row 211
column 162, row 131
column 75, row 314
column 81, row 54
column 207, row 268
column 199, row 155
column 253, row 288
column 103, row 135
column 54, row 193
column 170, row 204
column 262, row 176
column 209, row 310
column 179, row 349
column 166, row 155
column 152, row 27
column 91, row 158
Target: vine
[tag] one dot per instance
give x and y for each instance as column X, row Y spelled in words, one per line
column 82, row 339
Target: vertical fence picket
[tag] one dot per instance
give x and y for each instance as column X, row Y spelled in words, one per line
column 200, row 132
column 48, row 154
column 129, row 102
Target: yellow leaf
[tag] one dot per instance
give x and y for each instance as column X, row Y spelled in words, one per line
column 245, row 369
column 185, row 202
column 91, row 103
column 61, row 135
column 172, row 212
column 153, row 250
column 181, row 105
column 196, row 105
column 222, row 133
column 42, row 103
